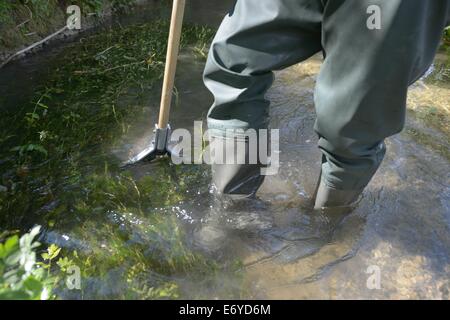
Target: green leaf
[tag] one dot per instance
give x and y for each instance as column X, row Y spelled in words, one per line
column 32, row 284
column 64, row 263
column 6, row 294
column 45, row 256
column 11, row 245
column 27, row 239
column 53, row 252
column 21, row 277
column 40, row 104
column 13, row 277
column 13, row 258
column 34, row 287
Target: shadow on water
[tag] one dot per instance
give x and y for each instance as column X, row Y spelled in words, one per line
column 157, row 231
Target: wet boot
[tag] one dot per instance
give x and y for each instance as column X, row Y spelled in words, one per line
column 236, row 166
column 327, row 197
column 229, row 216
column 332, row 206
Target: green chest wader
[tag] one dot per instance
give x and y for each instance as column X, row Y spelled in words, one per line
column 361, row 91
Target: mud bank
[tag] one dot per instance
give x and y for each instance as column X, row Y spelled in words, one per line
column 23, row 26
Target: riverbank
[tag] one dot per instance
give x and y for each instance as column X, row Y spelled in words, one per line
column 25, row 25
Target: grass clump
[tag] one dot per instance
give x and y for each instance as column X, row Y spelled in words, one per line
column 24, row 22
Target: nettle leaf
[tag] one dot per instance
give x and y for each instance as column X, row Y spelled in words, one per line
column 12, row 277
column 26, row 241
column 33, row 286
column 39, row 273
column 35, row 231
column 27, row 244
column 23, row 277
column 27, row 260
column 53, row 251
column 11, row 245
column 13, row 258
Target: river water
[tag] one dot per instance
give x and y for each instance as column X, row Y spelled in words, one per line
column 396, row 244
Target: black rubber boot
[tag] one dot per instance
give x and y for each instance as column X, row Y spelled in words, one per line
column 241, row 177
column 327, row 197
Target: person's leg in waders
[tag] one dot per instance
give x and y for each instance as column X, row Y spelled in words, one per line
column 374, row 50
column 255, row 38
column 361, row 90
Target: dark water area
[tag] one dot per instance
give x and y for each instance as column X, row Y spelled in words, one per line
column 155, row 231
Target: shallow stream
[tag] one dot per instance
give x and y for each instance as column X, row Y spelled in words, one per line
column 134, row 233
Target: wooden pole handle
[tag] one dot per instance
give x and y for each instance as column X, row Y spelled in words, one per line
column 173, row 48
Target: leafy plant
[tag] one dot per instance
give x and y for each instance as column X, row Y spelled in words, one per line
column 30, row 148
column 21, row 276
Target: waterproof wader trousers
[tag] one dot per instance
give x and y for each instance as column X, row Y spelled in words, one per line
column 373, row 49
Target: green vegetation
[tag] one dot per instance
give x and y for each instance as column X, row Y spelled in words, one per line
column 21, row 275
column 45, row 8
column 446, row 39
column 26, row 21
column 57, row 170
column 444, row 72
